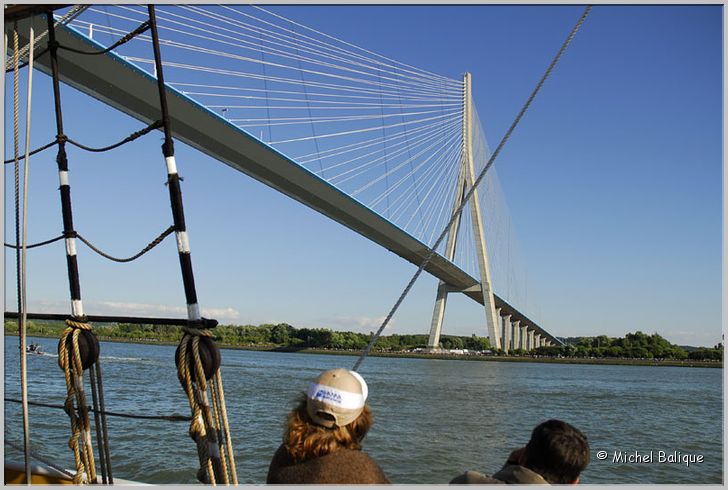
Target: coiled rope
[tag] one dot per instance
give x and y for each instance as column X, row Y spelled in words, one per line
column 470, row 192
column 75, row 404
column 209, row 427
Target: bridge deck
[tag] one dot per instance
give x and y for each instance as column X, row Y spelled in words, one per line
column 123, row 86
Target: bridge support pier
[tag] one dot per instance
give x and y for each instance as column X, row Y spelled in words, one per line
column 516, row 335
column 507, row 330
column 524, row 338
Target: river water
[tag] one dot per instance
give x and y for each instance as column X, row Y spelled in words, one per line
column 433, row 418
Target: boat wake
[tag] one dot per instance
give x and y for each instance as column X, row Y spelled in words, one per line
column 122, row 359
column 103, row 358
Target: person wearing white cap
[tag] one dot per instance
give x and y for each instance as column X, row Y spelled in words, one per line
column 322, row 441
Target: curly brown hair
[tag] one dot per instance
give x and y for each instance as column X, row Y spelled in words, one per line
column 304, row 439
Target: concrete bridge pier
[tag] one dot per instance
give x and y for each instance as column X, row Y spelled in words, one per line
column 507, row 331
column 516, row 334
column 524, row 338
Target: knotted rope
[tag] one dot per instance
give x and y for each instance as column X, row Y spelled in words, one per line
column 198, row 361
column 72, row 365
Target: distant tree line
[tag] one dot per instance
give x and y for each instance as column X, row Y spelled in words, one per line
column 636, row 345
column 266, row 335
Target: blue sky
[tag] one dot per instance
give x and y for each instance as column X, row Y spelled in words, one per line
column 613, row 180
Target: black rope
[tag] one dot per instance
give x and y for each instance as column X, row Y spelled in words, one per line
column 168, row 146
column 131, row 137
column 24, row 64
column 97, row 424
column 169, row 418
column 173, row 179
column 64, row 138
column 62, row 161
column 39, row 244
column 128, row 37
column 37, row 150
column 104, row 427
column 146, row 249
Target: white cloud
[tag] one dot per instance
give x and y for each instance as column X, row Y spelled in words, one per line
column 138, row 309
column 222, row 314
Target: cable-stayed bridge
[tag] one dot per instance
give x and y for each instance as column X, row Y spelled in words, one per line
column 385, row 148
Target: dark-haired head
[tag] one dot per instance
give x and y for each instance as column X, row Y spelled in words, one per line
column 557, row 451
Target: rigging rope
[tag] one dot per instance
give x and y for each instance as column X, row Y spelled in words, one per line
column 37, row 150
column 75, row 357
column 75, row 406
column 20, row 261
column 102, row 430
column 146, row 249
column 26, row 63
column 168, row 418
column 197, row 356
column 65, row 19
column 472, row 189
column 128, row 37
column 131, row 137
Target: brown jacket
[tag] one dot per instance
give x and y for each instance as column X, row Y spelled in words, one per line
column 345, row 466
column 510, row 473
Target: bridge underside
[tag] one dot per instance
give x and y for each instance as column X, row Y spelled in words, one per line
column 128, row 89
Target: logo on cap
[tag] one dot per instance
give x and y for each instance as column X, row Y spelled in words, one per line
column 328, row 396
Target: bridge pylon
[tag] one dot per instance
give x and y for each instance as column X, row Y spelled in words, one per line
column 466, row 178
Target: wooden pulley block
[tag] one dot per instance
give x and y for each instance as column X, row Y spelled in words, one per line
column 88, row 346
column 209, row 356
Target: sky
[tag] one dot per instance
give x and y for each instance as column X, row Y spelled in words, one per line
column 613, row 181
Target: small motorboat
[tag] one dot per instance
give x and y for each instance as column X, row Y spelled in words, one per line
column 34, row 349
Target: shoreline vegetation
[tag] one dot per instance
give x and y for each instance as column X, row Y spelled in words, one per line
column 636, row 349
